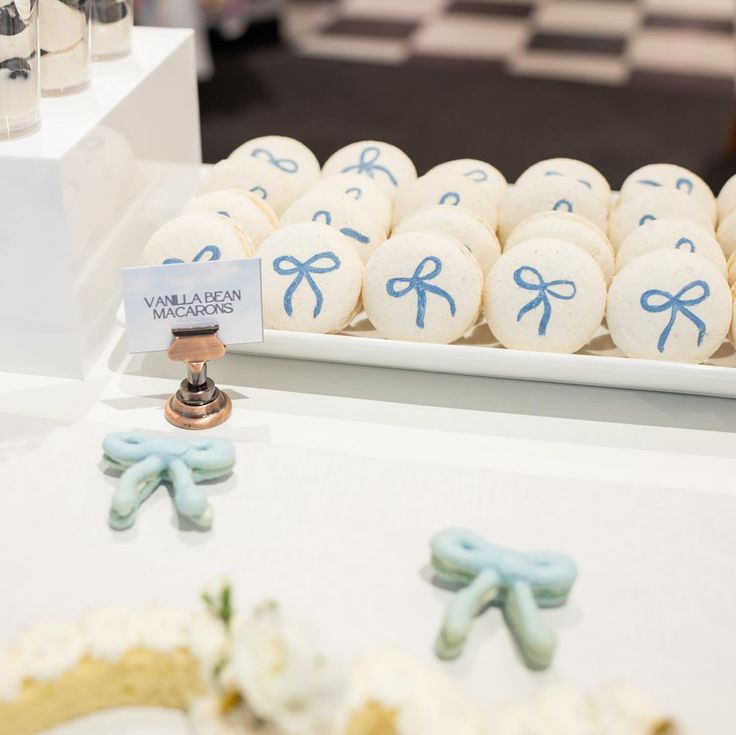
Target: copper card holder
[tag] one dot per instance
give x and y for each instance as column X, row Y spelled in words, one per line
column 199, row 403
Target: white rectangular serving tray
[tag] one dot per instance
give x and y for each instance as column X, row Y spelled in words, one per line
column 598, row 364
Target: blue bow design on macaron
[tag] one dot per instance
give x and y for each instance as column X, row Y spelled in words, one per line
column 367, row 164
column 545, row 290
column 477, row 174
column 584, row 182
column 418, row 283
column 212, row 250
column 287, row 165
column 685, row 241
column 676, row 304
column 563, row 205
column 520, row 582
column 326, row 217
column 303, row 271
column 149, row 461
column 451, row 198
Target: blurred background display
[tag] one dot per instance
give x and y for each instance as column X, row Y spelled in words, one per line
column 617, row 83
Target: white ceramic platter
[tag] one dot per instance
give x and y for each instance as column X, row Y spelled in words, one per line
column 600, row 363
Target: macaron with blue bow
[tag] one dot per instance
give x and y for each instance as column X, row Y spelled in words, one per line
column 550, row 194
column 460, row 223
column 257, row 176
column 247, row 210
column 359, row 189
column 422, row 286
column 669, row 305
column 383, row 163
column 312, row 278
column 670, row 177
column 481, row 172
column 286, row 156
column 196, row 237
column 570, row 168
column 568, row 227
column 654, row 203
column 671, row 234
column 344, row 214
column 446, row 189
column 545, row 295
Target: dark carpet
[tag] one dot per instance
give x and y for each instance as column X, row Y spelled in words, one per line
column 437, row 111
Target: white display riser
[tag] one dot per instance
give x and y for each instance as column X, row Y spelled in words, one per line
column 79, row 198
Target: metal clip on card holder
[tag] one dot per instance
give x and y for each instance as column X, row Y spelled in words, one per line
column 199, row 403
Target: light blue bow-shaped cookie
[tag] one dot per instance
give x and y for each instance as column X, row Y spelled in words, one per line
column 520, row 582
column 149, row 461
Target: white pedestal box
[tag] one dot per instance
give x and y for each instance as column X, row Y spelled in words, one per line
column 79, row 198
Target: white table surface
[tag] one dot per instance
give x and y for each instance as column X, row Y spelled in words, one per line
column 345, row 472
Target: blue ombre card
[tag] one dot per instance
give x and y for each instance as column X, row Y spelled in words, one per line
column 164, row 297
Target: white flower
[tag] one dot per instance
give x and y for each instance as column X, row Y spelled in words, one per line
column 282, row 675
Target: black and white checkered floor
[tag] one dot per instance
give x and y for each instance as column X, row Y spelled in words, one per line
column 689, row 43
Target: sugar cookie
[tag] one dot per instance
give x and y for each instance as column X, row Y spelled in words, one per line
column 422, row 286
column 670, row 177
column 359, row 189
column 287, row 155
column 549, row 194
column 341, row 212
column 726, row 234
column 479, row 171
column 384, row 163
column 454, row 190
column 461, row 224
column 726, row 201
column 570, row 228
column 669, row 305
column 312, row 278
column 669, row 234
column 196, row 237
column 545, row 295
column 251, row 213
column 256, row 176
column 570, row 168
column 659, row 203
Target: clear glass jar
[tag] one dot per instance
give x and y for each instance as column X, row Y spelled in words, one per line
column 112, row 28
column 20, row 90
column 65, row 46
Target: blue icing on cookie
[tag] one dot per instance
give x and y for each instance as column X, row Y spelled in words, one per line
column 685, row 185
column 477, row 174
column 304, row 271
column 212, row 250
column 260, row 191
column 149, row 461
column 649, row 182
column 326, row 217
column 519, row 582
column 677, row 304
column 224, row 213
column 584, row 182
column 287, row 165
column 418, row 282
column 354, row 192
column 545, row 290
column 563, row 204
column 646, row 218
column 368, row 165
column 451, row 198
column 685, row 241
